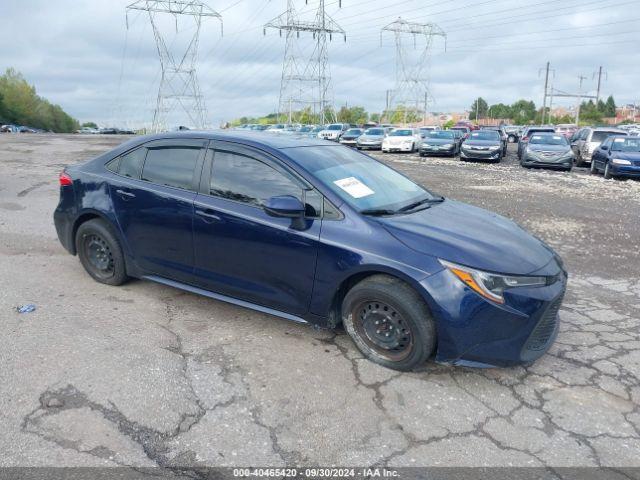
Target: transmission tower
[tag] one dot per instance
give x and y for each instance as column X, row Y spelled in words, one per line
column 412, row 87
column 179, row 89
column 305, row 82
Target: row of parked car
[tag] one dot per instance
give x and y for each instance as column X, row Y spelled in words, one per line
column 612, row 151
column 10, row 128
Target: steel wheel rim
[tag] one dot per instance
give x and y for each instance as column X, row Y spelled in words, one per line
column 99, row 255
column 383, row 329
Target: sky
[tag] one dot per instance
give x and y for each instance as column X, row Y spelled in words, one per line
column 81, row 55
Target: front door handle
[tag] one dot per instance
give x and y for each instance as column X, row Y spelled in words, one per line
column 207, row 214
column 124, row 193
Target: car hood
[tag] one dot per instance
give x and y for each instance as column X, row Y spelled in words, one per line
column 370, row 138
column 438, row 141
column 631, row 156
column 471, row 236
column 482, row 143
column 398, row 139
column 537, row 147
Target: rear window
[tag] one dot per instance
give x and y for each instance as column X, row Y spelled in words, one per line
column 172, row 167
column 600, row 136
column 548, row 140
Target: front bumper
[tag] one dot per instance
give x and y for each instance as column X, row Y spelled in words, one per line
column 349, row 143
column 369, row 145
column 397, row 148
column 480, row 154
column 437, row 150
column 475, row 332
column 538, row 161
column 625, row 170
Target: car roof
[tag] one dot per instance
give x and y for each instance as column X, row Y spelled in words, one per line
column 250, row 137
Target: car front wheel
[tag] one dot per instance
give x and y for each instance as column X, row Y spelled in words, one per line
column 100, row 253
column 389, row 322
column 607, row 171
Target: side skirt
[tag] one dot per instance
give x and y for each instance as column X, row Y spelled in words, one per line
column 223, row 298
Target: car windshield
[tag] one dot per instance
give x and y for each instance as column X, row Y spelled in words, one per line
column 440, row 134
column 401, row 133
column 485, row 135
column 335, row 127
column 305, row 129
column 353, row 131
column 630, row 144
column 374, row 131
column 600, row 135
column 548, row 140
column 359, row 180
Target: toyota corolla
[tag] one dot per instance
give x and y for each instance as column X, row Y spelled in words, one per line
column 315, row 232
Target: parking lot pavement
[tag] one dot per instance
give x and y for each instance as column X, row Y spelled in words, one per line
column 147, row 375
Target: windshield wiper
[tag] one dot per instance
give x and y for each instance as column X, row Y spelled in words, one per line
column 377, row 212
column 413, row 205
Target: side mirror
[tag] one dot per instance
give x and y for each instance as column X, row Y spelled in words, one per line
column 604, row 147
column 284, row 206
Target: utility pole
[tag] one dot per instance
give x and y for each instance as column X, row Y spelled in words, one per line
column 599, row 73
column 547, row 70
column 426, row 99
column 411, row 84
column 581, row 78
column 179, row 89
column 306, row 81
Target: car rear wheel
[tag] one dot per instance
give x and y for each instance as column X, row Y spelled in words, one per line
column 389, row 322
column 100, row 253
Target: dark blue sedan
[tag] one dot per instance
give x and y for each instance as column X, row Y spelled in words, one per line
column 617, row 156
column 315, row 232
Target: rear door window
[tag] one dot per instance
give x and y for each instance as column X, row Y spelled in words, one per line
column 131, row 163
column 171, row 166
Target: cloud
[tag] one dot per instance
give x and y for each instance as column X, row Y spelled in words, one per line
column 79, row 53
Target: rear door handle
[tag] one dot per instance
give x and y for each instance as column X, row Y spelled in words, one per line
column 207, row 214
column 124, row 193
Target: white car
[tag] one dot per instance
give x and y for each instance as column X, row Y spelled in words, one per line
column 333, row 131
column 402, row 140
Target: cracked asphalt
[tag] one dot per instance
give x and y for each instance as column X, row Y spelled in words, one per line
column 144, row 375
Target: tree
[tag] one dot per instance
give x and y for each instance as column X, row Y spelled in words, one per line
column 523, row 112
column 610, row 107
column 447, row 125
column 403, row 114
column 500, row 110
column 355, row 115
column 589, row 112
column 24, row 107
column 478, row 109
column 374, row 117
column 89, row 125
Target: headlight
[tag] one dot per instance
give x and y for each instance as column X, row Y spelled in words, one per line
column 464, row 145
column 620, row 161
column 491, row 285
column 447, row 145
column 493, row 149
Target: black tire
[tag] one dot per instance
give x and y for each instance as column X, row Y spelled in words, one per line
column 423, row 154
column 511, row 139
column 607, row 171
column 100, row 252
column 405, row 335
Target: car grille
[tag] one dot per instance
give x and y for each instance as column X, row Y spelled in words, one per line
column 548, row 154
column 543, row 332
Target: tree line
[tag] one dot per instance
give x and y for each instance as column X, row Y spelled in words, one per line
column 20, row 105
column 524, row 112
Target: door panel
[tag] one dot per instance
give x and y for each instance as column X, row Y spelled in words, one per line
column 157, row 220
column 242, row 252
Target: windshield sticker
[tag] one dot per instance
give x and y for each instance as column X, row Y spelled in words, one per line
column 536, row 137
column 354, row 187
column 618, row 140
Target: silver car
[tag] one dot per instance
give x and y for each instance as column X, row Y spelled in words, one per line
column 588, row 139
